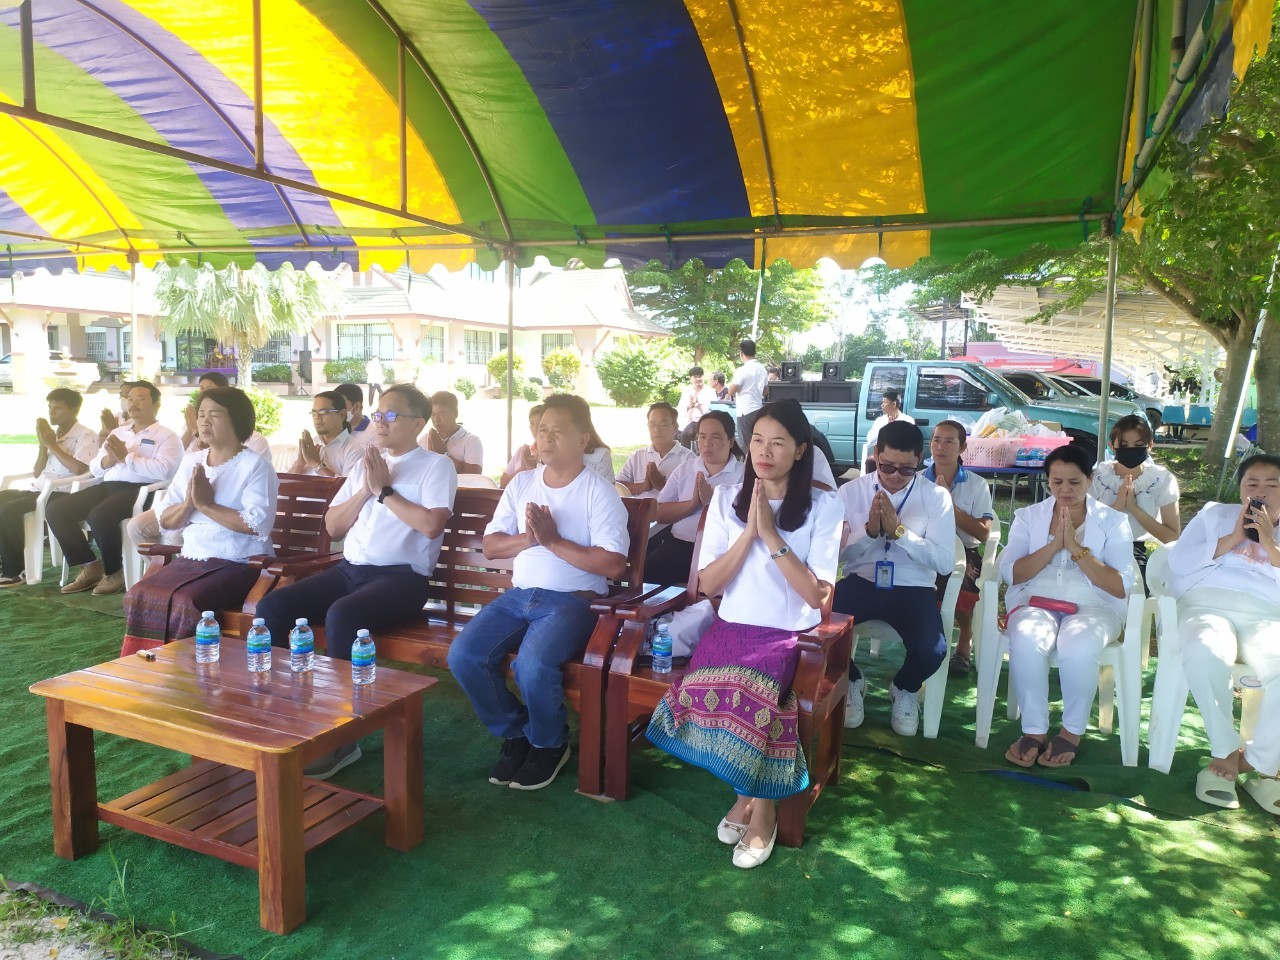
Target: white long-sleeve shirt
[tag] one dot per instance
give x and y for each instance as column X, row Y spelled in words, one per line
column 153, row 455
column 919, row 556
column 1246, row 568
column 246, row 483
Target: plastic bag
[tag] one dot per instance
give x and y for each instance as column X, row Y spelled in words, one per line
column 688, row 626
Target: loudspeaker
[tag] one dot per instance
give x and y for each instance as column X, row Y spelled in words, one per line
column 833, row 370
column 791, row 371
column 835, row 391
column 783, row 390
column 304, row 366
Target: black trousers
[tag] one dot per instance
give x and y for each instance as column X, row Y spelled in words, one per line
column 14, row 507
column 912, row 611
column 347, row 597
column 104, row 505
column 668, row 559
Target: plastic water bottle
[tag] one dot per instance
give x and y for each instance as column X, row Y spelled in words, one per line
column 208, row 638
column 258, row 642
column 302, row 647
column 364, row 663
column 662, row 649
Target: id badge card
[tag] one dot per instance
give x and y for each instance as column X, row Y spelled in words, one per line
column 884, row 574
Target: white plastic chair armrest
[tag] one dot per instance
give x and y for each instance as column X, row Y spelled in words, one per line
column 140, row 501
column 9, row 479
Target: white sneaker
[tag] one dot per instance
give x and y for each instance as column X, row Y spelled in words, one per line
column 905, row 717
column 853, row 704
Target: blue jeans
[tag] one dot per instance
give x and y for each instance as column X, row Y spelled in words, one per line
column 912, row 611
column 547, row 628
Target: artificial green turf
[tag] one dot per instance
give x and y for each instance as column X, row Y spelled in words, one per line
column 904, row 857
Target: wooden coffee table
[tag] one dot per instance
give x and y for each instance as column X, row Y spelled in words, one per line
column 245, row 799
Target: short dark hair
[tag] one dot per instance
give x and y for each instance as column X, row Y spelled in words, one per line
column 694, row 372
column 337, row 401
column 747, row 348
column 1072, row 453
column 71, row 399
column 962, row 432
column 725, row 419
column 894, row 396
column 1131, row 422
column 419, row 403
column 238, row 406
column 150, row 387
column 443, row 398
column 577, row 409
column 1258, row 459
column 665, row 408
column 214, row 377
column 902, row 436
column 717, row 376
column 350, row 393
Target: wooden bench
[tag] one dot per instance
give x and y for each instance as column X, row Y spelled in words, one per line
column 821, row 683
column 463, row 581
column 299, row 531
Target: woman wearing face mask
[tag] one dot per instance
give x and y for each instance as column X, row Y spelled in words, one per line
column 1136, row 485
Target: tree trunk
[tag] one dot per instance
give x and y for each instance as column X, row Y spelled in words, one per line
column 1267, row 376
column 244, row 363
column 1229, row 393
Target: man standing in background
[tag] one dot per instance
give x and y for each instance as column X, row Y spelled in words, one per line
column 746, row 390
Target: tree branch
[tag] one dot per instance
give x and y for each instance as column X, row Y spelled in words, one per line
column 1182, row 300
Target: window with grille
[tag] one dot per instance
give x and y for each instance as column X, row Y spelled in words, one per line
column 95, row 344
column 479, row 346
column 556, row 341
column 361, row 341
column 433, row 343
column 53, row 338
column 275, row 350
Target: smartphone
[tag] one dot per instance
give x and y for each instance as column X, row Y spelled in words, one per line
column 1250, row 532
column 1057, row 606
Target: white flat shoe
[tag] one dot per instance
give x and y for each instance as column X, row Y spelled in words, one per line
column 729, row 832
column 747, row 857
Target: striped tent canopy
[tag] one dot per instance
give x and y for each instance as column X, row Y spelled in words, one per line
column 447, row 131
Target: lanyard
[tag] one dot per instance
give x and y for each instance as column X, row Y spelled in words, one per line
column 897, row 509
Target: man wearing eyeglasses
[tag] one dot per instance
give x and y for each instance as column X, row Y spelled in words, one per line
column 332, row 453
column 901, row 536
column 392, row 512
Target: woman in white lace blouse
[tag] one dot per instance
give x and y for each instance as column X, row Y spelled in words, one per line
column 223, row 499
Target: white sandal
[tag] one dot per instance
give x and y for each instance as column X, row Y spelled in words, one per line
column 1265, row 792
column 1217, row 790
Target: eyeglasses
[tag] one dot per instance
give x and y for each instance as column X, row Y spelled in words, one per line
column 889, row 470
column 389, row 417
column 325, row 413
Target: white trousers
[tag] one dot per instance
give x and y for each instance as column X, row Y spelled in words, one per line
column 1218, row 628
column 1079, row 638
column 145, row 528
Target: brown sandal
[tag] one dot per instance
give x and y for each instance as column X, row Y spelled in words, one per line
column 1016, row 754
column 1056, row 746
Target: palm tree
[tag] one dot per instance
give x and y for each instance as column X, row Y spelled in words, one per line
column 244, row 307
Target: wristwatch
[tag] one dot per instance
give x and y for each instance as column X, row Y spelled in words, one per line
column 899, row 532
column 386, row 492
column 782, row 551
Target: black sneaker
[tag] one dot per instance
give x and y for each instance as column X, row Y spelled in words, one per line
column 541, row 767
column 514, row 752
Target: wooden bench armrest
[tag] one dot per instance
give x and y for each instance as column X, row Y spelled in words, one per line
column 295, row 569
column 627, row 598
column 158, row 550
column 825, row 635
column 654, row 604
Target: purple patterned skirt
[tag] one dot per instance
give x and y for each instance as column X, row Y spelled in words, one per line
column 165, row 605
column 734, row 713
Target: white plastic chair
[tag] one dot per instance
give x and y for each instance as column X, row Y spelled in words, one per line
column 133, row 565
column 477, row 480
column 935, row 688
column 1169, row 696
column 282, row 456
column 990, row 572
column 34, row 522
column 1119, row 675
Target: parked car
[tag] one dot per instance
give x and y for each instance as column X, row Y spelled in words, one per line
column 6, row 371
column 1153, row 406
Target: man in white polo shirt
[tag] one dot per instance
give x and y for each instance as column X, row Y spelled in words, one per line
column 746, row 390
column 902, row 534
column 392, row 511
column 566, row 529
column 646, row 470
column 447, row 436
column 695, row 400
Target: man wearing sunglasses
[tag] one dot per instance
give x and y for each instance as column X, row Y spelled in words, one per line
column 392, row 512
column 332, row 452
column 901, row 536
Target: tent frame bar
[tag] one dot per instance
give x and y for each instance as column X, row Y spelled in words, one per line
column 759, row 111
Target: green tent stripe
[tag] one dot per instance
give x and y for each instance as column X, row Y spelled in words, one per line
column 1057, row 133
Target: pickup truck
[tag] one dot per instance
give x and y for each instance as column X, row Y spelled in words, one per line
column 937, row 390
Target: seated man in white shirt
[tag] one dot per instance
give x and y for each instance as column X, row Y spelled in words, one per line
column 891, row 412
column 134, row 455
column 392, row 510
column 646, row 470
column 332, row 452
column 359, row 424
column 447, row 436
column 902, row 535
column 695, row 400
column 566, row 529
column 66, row 447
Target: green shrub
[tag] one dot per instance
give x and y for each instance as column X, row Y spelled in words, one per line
column 344, row 371
column 497, row 367
column 465, row 386
column 268, row 408
column 638, row 373
column 561, row 367
column 532, row 393
column 272, row 373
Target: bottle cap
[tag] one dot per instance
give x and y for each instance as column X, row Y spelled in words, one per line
column 362, row 633
column 259, row 622
column 300, row 622
column 208, row 614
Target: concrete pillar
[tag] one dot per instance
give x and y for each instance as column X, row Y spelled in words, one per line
column 29, row 346
column 148, row 350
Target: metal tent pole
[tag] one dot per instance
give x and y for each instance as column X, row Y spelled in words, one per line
column 1109, row 328
column 1229, row 450
column 511, row 347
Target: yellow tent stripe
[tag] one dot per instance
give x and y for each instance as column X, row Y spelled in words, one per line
column 856, row 71
column 308, row 73
column 1251, row 32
